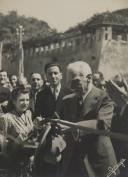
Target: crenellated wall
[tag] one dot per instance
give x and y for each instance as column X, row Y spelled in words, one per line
column 101, row 48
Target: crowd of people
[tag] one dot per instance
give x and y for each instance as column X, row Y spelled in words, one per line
column 42, row 114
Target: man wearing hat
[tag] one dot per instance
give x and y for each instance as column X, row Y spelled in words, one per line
column 86, row 155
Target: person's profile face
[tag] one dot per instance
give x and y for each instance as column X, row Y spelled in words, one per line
column 54, row 75
column 118, row 80
column 22, row 102
column 96, row 80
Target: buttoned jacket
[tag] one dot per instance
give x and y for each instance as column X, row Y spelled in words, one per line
column 46, row 104
column 93, row 154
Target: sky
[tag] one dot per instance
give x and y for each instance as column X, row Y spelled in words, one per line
column 61, row 14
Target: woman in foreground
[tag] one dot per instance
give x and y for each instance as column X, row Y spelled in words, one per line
column 17, row 126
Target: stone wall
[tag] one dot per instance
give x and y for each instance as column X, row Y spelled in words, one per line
column 99, row 47
column 114, row 55
column 80, row 47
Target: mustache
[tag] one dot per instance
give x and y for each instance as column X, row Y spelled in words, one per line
column 74, row 84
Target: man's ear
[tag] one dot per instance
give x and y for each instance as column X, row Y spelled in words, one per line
column 89, row 78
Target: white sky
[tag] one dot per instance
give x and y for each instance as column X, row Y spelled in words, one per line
column 61, row 14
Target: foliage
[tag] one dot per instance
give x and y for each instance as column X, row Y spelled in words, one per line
column 33, row 28
column 123, row 12
column 119, row 17
column 38, row 32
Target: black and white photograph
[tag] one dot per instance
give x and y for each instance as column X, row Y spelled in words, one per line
column 63, row 88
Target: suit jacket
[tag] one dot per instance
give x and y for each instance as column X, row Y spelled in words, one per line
column 33, row 96
column 46, row 104
column 92, row 154
column 4, row 94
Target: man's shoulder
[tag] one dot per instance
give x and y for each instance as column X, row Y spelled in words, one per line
column 7, row 116
column 4, row 94
column 98, row 91
column 44, row 91
column 69, row 96
column 4, row 89
column 65, row 91
column 100, row 95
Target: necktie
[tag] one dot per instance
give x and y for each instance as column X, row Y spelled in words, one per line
column 79, row 108
column 55, row 93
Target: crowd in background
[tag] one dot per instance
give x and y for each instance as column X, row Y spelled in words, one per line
column 18, row 98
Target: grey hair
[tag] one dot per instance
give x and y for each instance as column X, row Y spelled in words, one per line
column 77, row 66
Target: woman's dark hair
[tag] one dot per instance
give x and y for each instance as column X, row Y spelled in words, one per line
column 18, row 91
column 15, row 93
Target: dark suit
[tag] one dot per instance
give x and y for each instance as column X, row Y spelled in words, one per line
column 4, row 96
column 92, row 154
column 46, row 104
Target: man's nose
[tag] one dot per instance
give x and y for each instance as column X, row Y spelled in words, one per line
column 75, row 82
column 77, row 78
column 53, row 75
column 26, row 102
column 35, row 81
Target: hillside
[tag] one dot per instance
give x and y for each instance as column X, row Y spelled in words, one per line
column 123, row 12
column 38, row 33
column 119, row 17
column 33, row 28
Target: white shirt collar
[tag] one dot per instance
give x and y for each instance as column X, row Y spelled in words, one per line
column 89, row 90
column 58, row 88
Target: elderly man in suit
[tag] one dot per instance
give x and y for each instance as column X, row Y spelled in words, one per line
column 86, row 155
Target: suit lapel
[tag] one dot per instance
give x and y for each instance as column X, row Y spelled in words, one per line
column 49, row 92
column 90, row 101
column 60, row 95
column 70, row 108
column 74, row 109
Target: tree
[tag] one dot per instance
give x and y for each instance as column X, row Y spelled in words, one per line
column 34, row 28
